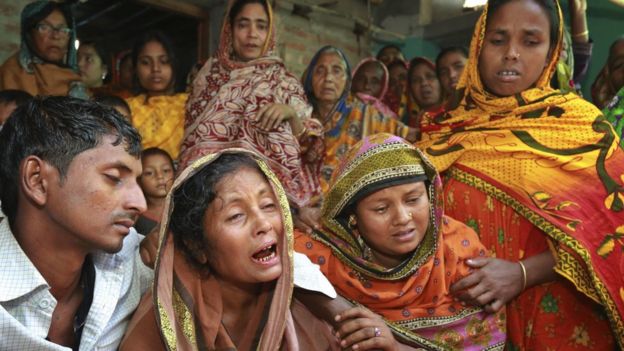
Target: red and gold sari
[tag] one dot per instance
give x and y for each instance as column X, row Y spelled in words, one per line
column 222, row 111
column 540, row 170
column 413, row 297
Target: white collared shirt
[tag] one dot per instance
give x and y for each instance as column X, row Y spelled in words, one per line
column 26, row 304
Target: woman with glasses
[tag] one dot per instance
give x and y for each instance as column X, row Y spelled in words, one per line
column 46, row 62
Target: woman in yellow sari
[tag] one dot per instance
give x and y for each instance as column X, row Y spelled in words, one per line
column 157, row 111
column 539, row 175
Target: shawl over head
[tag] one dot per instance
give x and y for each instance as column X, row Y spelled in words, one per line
column 554, row 159
column 377, row 101
column 414, row 296
column 221, row 113
column 31, row 13
column 189, row 305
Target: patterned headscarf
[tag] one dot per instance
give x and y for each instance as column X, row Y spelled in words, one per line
column 225, row 52
column 341, row 104
column 378, row 161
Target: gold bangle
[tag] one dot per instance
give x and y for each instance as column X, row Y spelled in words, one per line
column 577, row 35
column 301, row 133
column 524, row 275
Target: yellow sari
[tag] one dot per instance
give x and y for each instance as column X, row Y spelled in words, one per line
column 160, row 120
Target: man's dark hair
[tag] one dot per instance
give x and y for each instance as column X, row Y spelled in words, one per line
column 19, row 97
column 112, row 101
column 388, row 46
column 56, row 129
column 191, row 200
column 451, row 49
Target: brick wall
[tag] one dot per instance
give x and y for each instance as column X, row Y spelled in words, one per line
column 10, row 26
column 300, row 38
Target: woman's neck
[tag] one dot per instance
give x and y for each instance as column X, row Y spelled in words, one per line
column 324, row 109
column 155, row 205
column 239, row 303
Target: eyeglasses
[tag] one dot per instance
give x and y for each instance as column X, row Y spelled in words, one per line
column 47, row 29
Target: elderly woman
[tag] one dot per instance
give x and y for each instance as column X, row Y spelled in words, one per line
column 538, row 174
column 224, row 274
column 244, row 97
column 46, row 62
column 386, row 244
column 346, row 119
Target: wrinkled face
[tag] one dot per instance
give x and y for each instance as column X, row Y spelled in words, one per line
column 92, row 69
column 515, row 48
column 398, row 79
column 51, row 37
column 329, row 78
column 99, row 198
column 157, row 176
column 249, row 32
column 393, row 221
column 424, row 85
column 450, row 69
column 368, row 79
column 244, row 229
column 389, row 54
column 154, row 69
column 616, row 65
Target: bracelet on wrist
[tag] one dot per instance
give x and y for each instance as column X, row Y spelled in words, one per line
column 524, row 275
column 581, row 34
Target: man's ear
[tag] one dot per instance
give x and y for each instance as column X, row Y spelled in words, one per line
column 34, row 179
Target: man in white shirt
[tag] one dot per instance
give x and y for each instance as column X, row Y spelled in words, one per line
column 71, row 274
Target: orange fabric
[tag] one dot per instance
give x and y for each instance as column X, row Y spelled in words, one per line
column 555, row 160
column 46, row 79
column 545, row 317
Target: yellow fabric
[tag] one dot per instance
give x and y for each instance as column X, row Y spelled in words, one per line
column 554, row 159
column 343, row 130
column 160, row 120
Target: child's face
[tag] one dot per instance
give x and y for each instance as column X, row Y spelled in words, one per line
column 516, row 48
column 393, row 221
column 157, row 176
column 6, row 108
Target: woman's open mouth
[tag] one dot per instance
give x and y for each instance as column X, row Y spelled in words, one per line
column 266, row 255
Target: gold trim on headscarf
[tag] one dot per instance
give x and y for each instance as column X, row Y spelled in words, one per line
column 174, row 315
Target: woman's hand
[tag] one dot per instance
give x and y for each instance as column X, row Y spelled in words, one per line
column 271, row 115
column 494, row 283
column 361, row 329
column 308, row 218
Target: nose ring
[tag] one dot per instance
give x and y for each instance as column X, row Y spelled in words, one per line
column 411, row 215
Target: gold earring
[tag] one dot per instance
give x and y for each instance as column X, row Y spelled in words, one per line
column 352, row 223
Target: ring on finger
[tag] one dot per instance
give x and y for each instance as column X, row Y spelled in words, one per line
column 377, row 332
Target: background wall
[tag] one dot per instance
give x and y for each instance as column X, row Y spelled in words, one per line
column 10, row 26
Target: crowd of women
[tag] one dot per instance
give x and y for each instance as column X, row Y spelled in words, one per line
column 475, row 202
